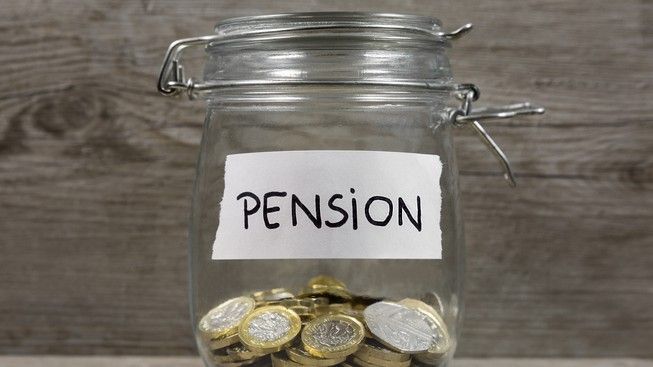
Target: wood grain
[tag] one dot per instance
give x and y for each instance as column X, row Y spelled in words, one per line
column 96, row 172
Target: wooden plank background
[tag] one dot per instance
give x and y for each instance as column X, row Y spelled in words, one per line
column 96, row 171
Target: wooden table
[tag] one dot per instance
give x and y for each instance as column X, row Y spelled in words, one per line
column 114, row 361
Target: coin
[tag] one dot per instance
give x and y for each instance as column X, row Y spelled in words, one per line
column 332, row 336
column 371, row 348
column 300, row 355
column 224, row 319
column 326, row 281
column 268, row 329
column 442, row 340
column 272, row 295
column 337, row 293
column 401, row 328
column 225, row 341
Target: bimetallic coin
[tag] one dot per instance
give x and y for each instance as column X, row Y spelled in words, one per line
column 332, row 336
column 223, row 342
column 300, row 355
column 268, row 329
column 401, row 328
column 442, row 340
column 371, row 349
column 224, row 319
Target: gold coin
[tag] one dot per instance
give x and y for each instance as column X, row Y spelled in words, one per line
column 224, row 319
column 219, row 343
column 332, row 336
column 443, row 341
column 299, row 355
column 326, row 281
column 324, row 290
column 272, row 295
column 371, row 349
column 269, row 329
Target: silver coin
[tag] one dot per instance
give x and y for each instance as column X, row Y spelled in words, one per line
column 401, row 328
column 269, row 326
column 226, row 317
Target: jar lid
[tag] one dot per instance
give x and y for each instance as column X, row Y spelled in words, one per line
column 326, row 31
column 243, row 26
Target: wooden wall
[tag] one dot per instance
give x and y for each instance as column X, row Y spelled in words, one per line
column 96, row 171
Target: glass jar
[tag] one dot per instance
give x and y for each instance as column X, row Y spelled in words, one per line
column 327, row 187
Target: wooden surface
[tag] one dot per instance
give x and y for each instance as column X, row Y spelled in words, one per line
column 102, row 361
column 96, row 172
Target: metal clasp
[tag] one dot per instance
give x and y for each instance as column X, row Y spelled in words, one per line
column 171, row 77
column 465, row 114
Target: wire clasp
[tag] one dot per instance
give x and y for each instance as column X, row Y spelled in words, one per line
column 467, row 115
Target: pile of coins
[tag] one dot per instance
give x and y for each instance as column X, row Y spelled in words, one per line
column 324, row 325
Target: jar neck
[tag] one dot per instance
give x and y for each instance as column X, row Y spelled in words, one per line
column 348, row 56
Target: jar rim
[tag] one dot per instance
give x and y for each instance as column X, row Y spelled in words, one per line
column 252, row 25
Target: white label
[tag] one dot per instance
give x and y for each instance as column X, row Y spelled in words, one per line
column 330, row 205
